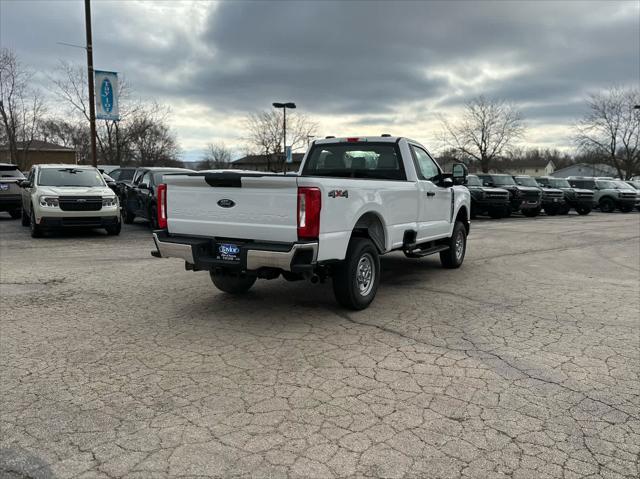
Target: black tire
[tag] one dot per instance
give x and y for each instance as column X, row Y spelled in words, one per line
column 626, row 208
column 508, row 211
column 497, row 213
column 551, row 211
column 26, row 221
column 531, row 212
column 356, row 279
column 15, row 214
column 232, row 283
column 564, row 210
column 36, row 230
column 114, row 230
column 127, row 216
column 607, row 205
column 583, row 210
column 454, row 256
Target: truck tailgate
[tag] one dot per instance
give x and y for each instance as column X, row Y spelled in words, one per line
column 233, row 205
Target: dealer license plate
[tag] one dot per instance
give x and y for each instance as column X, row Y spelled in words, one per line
column 228, row 252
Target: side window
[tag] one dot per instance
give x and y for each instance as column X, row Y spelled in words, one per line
column 146, row 178
column 425, row 166
column 115, row 174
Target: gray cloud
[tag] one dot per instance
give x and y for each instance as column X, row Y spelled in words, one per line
column 356, row 58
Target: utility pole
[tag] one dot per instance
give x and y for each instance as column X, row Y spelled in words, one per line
column 284, row 107
column 92, row 99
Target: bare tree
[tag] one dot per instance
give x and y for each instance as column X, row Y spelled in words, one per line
column 21, row 106
column 265, row 134
column 487, row 129
column 217, row 155
column 129, row 140
column 611, row 129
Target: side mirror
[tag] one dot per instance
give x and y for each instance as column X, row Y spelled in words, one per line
column 447, row 182
column 24, row 183
column 459, row 171
column 143, row 186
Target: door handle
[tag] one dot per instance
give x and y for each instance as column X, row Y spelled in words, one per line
column 431, row 193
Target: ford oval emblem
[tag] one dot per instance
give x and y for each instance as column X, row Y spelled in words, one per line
column 226, row 203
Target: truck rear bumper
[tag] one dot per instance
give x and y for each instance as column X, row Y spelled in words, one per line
column 200, row 252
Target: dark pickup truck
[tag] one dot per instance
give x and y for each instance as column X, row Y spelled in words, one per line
column 485, row 200
column 525, row 199
column 552, row 198
column 579, row 199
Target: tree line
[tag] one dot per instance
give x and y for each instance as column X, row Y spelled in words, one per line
column 141, row 137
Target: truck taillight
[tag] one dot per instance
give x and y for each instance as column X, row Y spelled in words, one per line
column 309, row 204
column 162, row 206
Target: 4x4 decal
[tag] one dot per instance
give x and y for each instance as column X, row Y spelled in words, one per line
column 339, row 194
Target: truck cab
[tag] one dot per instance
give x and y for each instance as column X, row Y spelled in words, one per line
column 352, row 200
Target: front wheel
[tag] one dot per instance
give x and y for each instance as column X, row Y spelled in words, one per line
column 232, row 283
column 356, row 279
column 583, row 210
column 114, row 230
column 36, row 230
column 607, row 205
column 454, row 256
column 127, row 216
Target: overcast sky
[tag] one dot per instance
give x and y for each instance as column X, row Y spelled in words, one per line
column 355, row 67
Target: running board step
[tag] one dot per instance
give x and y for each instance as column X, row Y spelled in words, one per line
column 419, row 253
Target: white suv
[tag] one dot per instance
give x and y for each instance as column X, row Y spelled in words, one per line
column 63, row 196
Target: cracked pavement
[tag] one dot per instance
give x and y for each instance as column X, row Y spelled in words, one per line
column 523, row 363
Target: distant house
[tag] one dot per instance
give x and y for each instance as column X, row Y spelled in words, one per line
column 531, row 167
column 38, row 152
column 585, row 169
column 267, row 163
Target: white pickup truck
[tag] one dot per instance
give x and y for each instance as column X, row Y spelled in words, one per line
column 353, row 200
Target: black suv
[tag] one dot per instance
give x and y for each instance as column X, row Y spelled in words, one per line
column 525, row 199
column 484, row 200
column 580, row 200
column 552, row 198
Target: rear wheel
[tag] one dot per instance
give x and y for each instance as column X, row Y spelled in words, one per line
column 127, row 216
column 15, row 214
column 454, row 256
column 356, row 279
column 230, row 282
column 583, row 210
column 607, row 205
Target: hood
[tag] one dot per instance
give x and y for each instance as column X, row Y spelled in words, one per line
column 528, row 189
column 551, row 190
column 75, row 190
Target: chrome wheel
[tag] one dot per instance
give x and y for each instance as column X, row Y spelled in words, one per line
column 459, row 246
column 365, row 274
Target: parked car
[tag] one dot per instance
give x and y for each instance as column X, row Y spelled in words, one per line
column 123, row 174
column 577, row 198
column 485, row 200
column 552, row 201
column 526, row 199
column 111, row 183
column 353, row 200
column 64, row 196
column 139, row 198
column 608, row 194
column 10, row 198
column 636, row 185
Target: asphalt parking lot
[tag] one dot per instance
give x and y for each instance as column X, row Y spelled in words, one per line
column 523, row 363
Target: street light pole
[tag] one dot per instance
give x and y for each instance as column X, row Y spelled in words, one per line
column 284, row 107
column 92, row 101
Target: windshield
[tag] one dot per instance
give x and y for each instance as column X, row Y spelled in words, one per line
column 635, row 184
column 125, row 175
column 355, row 160
column 558, row 183
column 10, row 171
column 473, row 180
column 526, row 181
column 70, row 177
column 606, row 185
column 621, row 185
column 500, row 180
